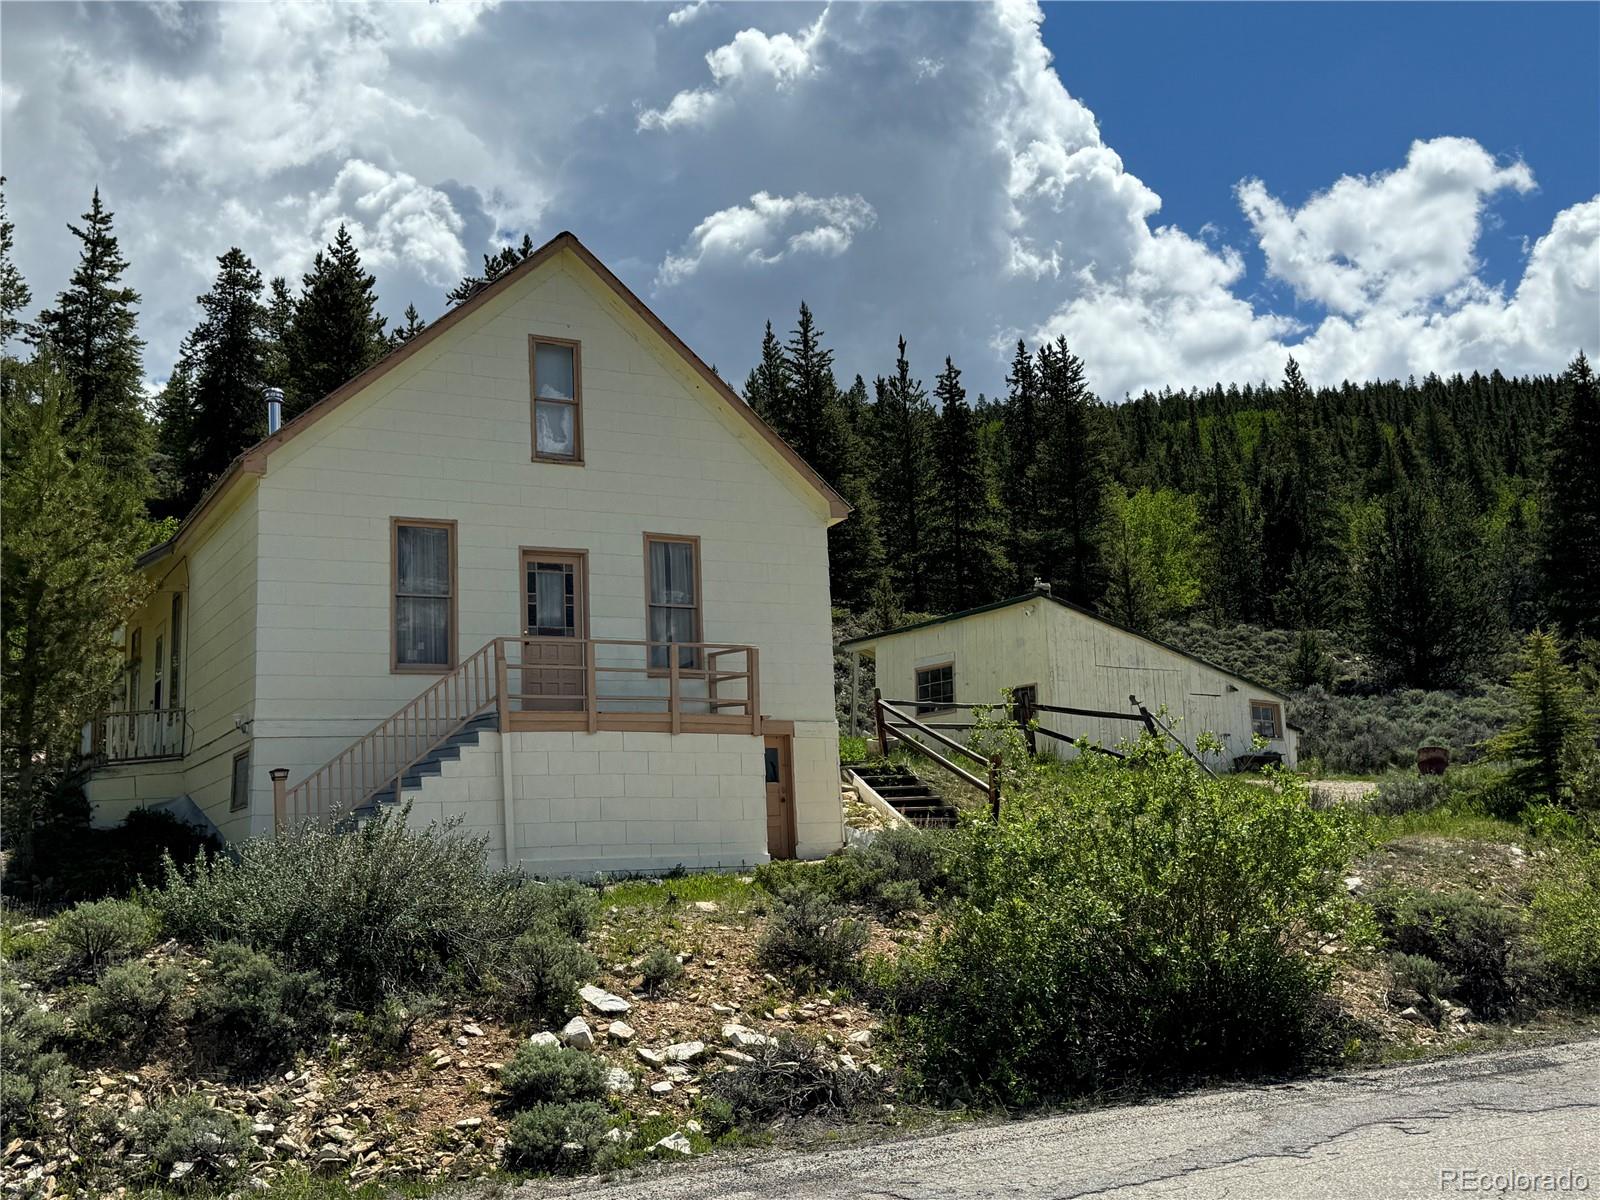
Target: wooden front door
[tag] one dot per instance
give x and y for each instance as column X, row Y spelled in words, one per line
column 780, row 797
column 555, row 617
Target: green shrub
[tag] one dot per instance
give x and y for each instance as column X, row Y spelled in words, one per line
column 1566, row 920
column 791, row 1077
column 85, row 940
column 1431, row 984
column 382, row 910
column 893, row 873
column 34, row 1074
column 73, row 861
column 125, row 1012
column 551, row 1075
column 538, row 977
column 1365, row 734
column 384, row 1035
column 852, row 749
column 1128, row 923
column 189, row 1130
column 660, row 969
column 811, row 940
column 250, row 1015
column 557, row 1138
column 1400, row 792
column 1480, row 943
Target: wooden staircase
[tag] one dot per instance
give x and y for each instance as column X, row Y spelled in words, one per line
column 908, row 795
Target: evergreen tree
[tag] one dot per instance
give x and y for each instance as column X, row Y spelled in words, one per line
column 1311, row 666
column 1423, row 609
column 67, row 583
column 904, row 484
column 1019, row 467
column 280, row 318
column 14, row 293
column 970, row 566
column 1299, row 511
column 767, row 388
column 1554, row 730
column 494, row 266
column 1234, row 570
column 92, row 333
column 816, row 421
column 1570, row 542
column 214, row 407
column 336, row 332
column 412, row 324
column 1071, row 476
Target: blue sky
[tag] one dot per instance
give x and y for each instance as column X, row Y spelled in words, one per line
column 1187, row 193
column 1196, row 97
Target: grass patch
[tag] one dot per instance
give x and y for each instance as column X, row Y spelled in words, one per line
column 665, row 894
column 1445, row 821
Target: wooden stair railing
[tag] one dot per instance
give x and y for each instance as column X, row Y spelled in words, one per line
column 892, row 723
column 383, row 756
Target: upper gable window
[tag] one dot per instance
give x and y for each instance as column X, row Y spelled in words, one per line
column 557, row 369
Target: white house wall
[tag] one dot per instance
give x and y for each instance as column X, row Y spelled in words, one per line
column 445, row 436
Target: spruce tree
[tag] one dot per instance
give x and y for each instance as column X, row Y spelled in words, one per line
column 903, row 419
column 494, row 266
column 1423, row 607
column 1019, row 469
column 1554, row 729
column 969, row 560
column 280, row 317
column 1570, row 541
column 767, row 388
column 411, row 325
column 214, row 407
column 14, row 293
column 92, row 331
column 816, row 420
column 1071, row 476
column 1300, row 510
column 336, row 332
column 67, row 582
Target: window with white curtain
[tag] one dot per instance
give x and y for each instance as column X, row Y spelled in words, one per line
column 424, row 595
column 557, row 400
column 673, row 602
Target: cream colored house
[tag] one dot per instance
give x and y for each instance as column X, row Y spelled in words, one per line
column 1051, row 652
column 539, row 569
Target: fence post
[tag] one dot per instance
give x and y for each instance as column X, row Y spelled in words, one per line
column 877, row 717
column 994, row 788
column 280, row 797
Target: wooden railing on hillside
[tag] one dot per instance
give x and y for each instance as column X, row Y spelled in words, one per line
column 542, row 683
column 892, row 723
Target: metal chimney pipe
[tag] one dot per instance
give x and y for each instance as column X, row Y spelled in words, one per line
column 274, row 410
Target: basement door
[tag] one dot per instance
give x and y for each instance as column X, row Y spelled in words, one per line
column 554, row 623
column 780, row 796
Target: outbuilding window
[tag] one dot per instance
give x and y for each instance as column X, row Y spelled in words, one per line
column 1266, row 719
column 936, row 687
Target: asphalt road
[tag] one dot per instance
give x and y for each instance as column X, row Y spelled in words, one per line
column 1389, row 1134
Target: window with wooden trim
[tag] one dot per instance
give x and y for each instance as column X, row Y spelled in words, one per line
column 424, row 604
column 239, row 793
column 1266, row 719
column 672, row 597
column 556, row 369
column 135, row 671
column 175, row 654
column 936, row 687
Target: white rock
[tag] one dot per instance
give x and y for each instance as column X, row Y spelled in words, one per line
column 862, row 1037
column 544, row 1038
column 1411, row 1014
column 741, row 1038
column 653, row 1057
column 694, row 1127
column 603, row 1001
column 705, row 905
column 577, row 1033
column 471, row 1030
column 182, row 1170
column 469, row 1122
column 724, row 1010
column 682, row 1052
column 737, row 1057
column 673, row 1143
column 660, row 1089
column 619, row 1082
column 620, row 1031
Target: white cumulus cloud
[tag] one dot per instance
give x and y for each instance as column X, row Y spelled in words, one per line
column 759, row 233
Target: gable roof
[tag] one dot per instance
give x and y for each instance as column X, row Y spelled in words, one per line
column 866, row 639
column 254, row 460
